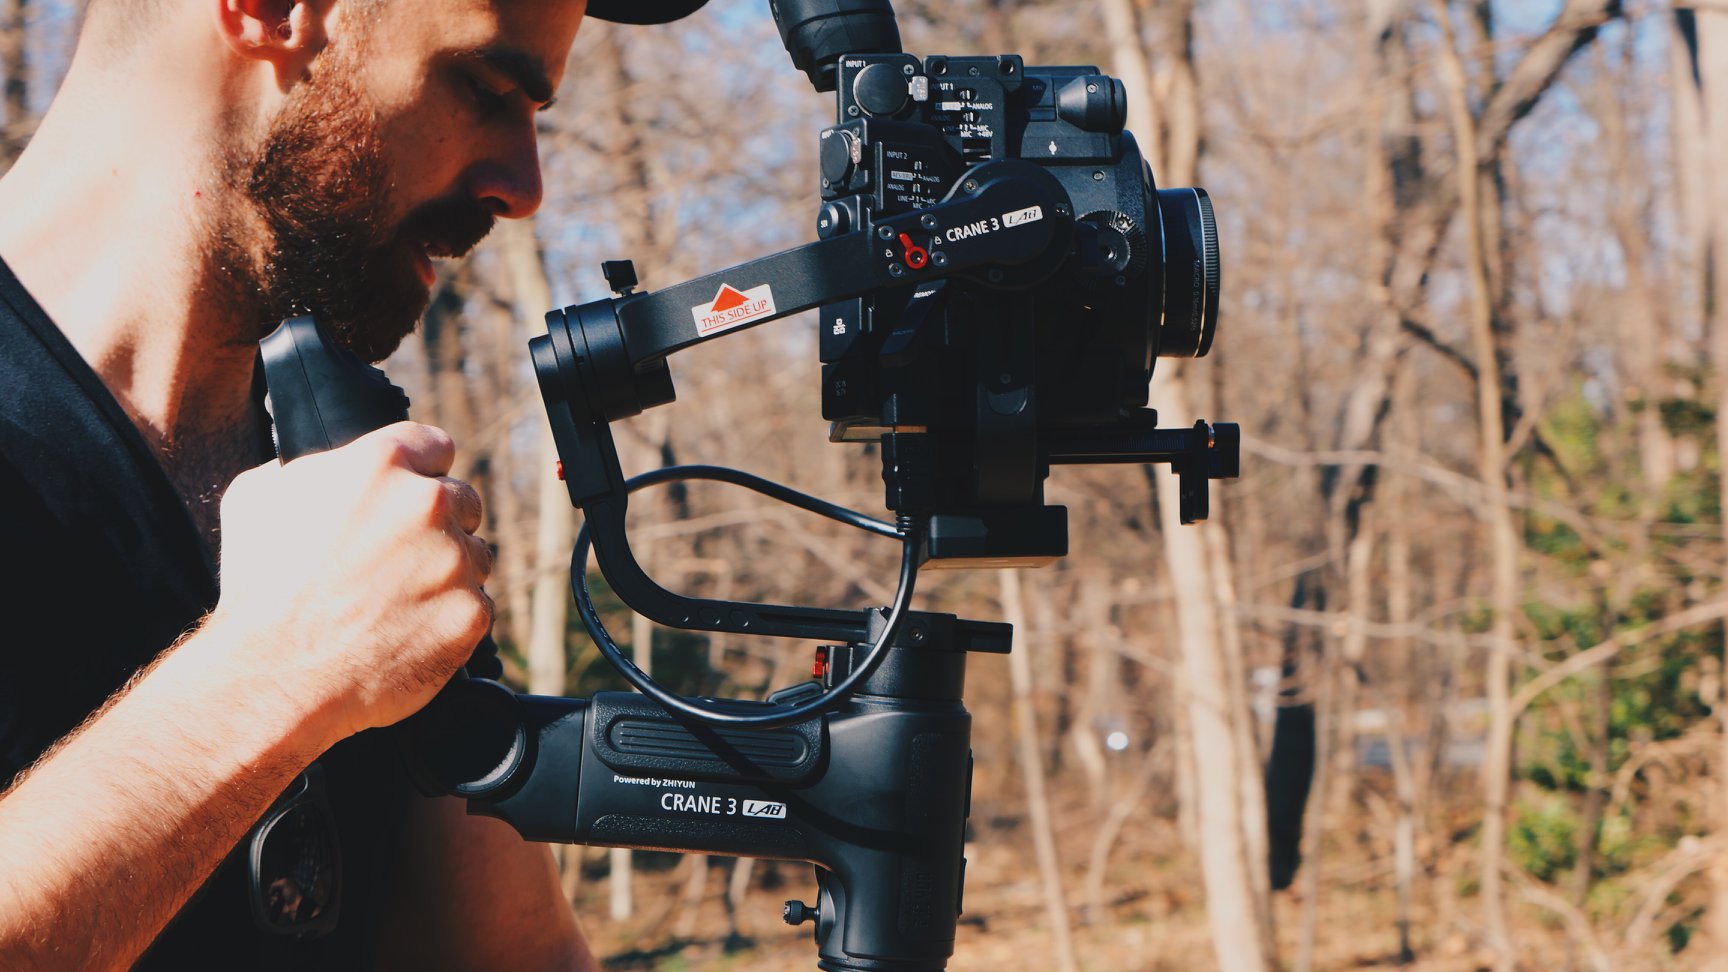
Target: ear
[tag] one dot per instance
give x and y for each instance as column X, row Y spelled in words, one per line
column 286, row 33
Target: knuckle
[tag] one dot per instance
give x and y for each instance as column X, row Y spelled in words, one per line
column 431, row 433
column 431, row 438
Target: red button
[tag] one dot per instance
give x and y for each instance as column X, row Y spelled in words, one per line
column 560, row 470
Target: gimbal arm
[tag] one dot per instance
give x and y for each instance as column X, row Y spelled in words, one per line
column 1007, row 215
column 605, row 360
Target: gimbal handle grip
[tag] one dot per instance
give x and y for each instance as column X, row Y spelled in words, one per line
column 320, row 396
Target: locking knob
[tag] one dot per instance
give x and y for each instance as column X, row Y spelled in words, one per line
column 797, row 913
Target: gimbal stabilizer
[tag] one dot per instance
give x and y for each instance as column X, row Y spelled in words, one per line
column 995, row 274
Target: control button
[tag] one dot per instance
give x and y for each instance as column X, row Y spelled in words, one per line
column 833, row 220
column 880, row 89
column 560, row 470
column 797, row 913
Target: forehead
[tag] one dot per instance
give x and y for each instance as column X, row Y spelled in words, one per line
column 543, row 30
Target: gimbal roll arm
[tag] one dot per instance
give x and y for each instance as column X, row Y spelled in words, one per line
column 1003, row 215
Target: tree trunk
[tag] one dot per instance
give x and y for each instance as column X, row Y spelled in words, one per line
column 1217, row 709
column 1227, row 776
column 1496, row 508
column 1099, row 657
column 1029, row 744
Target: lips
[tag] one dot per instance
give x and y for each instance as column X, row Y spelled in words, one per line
column 424, row 252
column 444, row 228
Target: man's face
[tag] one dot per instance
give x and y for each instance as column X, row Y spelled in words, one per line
column 412, row 134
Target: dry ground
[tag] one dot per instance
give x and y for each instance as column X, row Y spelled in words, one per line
column 1154, row 919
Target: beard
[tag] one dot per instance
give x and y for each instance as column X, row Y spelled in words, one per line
column 318, row 237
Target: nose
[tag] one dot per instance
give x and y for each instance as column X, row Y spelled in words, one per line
column 508, row 180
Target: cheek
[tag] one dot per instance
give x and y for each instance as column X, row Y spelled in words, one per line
column 421, row 155
column 414, row 115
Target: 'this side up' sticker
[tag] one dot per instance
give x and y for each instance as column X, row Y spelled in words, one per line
column 732, row 308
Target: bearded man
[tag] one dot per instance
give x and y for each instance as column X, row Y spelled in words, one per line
column 194, row 782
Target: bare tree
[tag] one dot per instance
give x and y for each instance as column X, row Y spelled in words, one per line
column 1231, row 809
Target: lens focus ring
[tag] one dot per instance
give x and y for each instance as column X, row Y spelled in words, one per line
column 1191, row 273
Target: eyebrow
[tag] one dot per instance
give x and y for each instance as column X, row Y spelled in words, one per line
column 521, row 67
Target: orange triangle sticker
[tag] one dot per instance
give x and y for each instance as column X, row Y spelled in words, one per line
column 728, row 298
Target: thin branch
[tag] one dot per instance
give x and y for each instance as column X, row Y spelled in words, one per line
column 1427, row 336
column 1535, row 72
column 1689, row 618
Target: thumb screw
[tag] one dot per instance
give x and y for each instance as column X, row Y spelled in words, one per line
column 797, row 913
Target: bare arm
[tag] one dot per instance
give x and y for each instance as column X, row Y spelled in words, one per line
column 106, row 839
column 350, row 593
column 475, row 896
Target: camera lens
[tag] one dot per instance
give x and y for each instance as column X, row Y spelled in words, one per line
column 1190, row 273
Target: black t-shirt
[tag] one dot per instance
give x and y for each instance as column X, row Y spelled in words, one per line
column 106, row 570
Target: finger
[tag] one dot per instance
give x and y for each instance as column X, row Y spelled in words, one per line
column 465, row 503
column 480, row 555
column 426, row 449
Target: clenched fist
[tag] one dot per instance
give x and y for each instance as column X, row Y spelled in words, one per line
column 360, row 568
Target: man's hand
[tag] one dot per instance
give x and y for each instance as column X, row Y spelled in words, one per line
column 361, row 566
column 350, row 593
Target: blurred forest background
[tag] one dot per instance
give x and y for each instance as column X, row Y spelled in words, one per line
column 1473, row 331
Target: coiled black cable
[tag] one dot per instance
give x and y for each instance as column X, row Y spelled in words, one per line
column 906, row 532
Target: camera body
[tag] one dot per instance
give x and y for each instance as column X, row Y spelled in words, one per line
column 966, row 382
column 908, row 133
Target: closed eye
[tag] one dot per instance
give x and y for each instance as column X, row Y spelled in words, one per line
column 487, row 98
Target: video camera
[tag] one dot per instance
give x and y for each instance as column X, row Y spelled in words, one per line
column 994, row 274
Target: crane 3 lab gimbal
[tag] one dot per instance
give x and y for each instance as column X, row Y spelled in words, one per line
column 995, row 273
